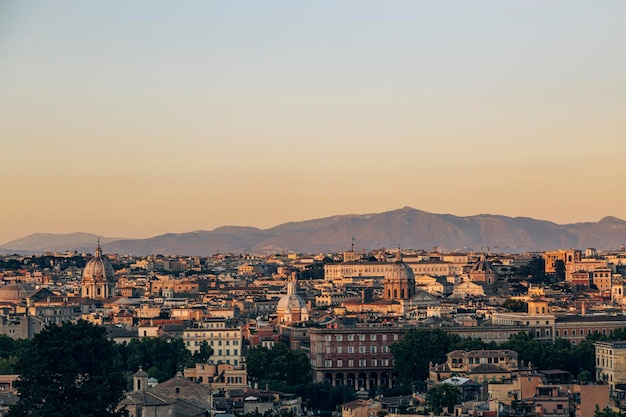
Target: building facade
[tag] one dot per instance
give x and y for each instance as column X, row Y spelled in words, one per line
column 357, row 356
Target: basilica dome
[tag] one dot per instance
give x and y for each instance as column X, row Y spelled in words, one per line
column 291, row 302
column 291, row 307
column 98, row 269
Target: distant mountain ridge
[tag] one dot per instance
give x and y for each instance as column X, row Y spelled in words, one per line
column 405, row 227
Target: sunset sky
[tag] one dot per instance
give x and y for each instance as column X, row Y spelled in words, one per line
column 132, row 119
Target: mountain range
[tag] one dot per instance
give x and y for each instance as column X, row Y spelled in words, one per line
column 405, row 227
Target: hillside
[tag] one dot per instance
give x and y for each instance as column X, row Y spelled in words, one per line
column 406, row 227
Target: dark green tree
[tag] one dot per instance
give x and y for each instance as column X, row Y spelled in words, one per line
column 278, row 364
column 203, row 354
column 158, row 356
column 69, row 370
column 535, row 270
column 417, row 349
column 527, row 348
column 323, row 396
column 559, row 268
column 607, row 412
column 10, row 351
column 443, row 396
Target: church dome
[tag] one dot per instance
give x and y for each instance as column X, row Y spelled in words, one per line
column 291, row 302
column 291, row 307
column 483, row 266
column 15, row 292
column 98, row 269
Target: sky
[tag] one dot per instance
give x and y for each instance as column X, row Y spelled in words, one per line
column 133, row 119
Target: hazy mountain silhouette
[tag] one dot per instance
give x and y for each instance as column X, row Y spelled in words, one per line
column 406, row 227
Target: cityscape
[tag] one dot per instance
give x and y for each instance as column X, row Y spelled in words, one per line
column 312, row 209
column 349, row 314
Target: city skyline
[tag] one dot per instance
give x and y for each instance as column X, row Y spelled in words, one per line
column 145, row 118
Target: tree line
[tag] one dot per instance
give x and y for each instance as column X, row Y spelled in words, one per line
column 420, row 347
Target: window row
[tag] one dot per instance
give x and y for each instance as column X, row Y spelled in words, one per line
column 361, row 349
column 360, row 337
column 361, row 363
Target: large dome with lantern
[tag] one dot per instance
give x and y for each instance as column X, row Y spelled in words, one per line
column 98, row 269
column 98, row 279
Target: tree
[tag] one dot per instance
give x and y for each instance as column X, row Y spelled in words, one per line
column 528, row 349
column 417, row 349
column 279, row 364
column 203, row 354
column 69, row 370
column 443, row 395
column 607, row 412
column 161, row 358
column 535, row 269
column 10, row 351
column 559, row 268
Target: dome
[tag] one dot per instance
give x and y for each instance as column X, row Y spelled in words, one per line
column 15, row 292
column 483, row 266
column 291, row 307
column 291, row 302
column 98, row 269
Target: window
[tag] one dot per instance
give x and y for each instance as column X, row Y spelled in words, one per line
column 339, row 349
column 374, row 362
column 328, row 338
column 328, row 363
column 339, row 362
column 327, row 349
column 350, row 363
column 384, row 337
column 350, row 337
column 372, row 349
column 362, row 363
column 372, row 337
column 361, row 349
column 350, row 349
column 339, row 337
column 384, row 349
column 361, row 337
column 384, row 362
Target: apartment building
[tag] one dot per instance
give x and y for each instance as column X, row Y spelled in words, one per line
column 611, row 362
column 225, row 341
column 357, row 356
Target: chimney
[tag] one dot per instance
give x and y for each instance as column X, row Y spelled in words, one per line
column 583, row 309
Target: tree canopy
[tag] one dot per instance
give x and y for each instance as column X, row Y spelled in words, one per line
column 278, row 364
column 442, row 396
column 69, row 370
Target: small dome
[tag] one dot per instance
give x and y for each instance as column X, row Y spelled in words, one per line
column 15, row 292
column 291, row 301
column 291, row 307
column 98, row 269
column 482, row 266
